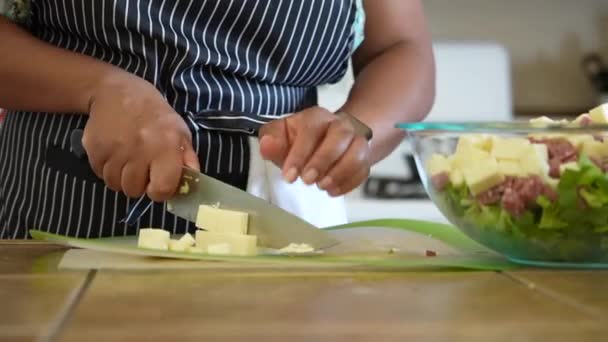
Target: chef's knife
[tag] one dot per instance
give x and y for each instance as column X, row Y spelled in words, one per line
column 274, row 227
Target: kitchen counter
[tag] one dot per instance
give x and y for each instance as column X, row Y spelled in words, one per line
column 292, row 305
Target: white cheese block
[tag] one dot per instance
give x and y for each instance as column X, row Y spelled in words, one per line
column 599, row 114
column 482, row 176
column 153, row 239
column 219, row 249
column 187, row 240
column 242, row 245
column 593, row 148
column 509, row 148
column 177, row 246
column 480, row 141
column 467, row 156
column 579, row 140
column 438, row 164
column 536, row 160
column 510, row 168
column 195, row 250
column 221, row 220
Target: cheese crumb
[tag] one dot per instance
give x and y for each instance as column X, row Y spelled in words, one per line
column 297, row 248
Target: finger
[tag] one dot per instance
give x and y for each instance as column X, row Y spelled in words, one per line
column 338, row 138
column 350, row 183
column 274, row 142
column 112, row 172
column 190, row 157
column 165, row 174
column 134, row 178
column 352, row 161
column 96, row 156
column 307, row 137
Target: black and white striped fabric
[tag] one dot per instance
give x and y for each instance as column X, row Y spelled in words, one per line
column 263, row 59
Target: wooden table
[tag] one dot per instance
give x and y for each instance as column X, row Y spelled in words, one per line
column 40, row 302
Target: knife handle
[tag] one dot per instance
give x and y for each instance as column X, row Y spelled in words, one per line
column 76, row 144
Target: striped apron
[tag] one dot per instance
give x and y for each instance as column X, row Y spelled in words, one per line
column 262, row 58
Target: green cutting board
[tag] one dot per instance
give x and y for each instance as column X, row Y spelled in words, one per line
column 377, row 244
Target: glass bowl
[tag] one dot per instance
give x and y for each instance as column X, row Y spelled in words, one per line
column 537, row 194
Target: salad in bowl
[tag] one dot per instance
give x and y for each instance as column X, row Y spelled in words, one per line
column 536, row 192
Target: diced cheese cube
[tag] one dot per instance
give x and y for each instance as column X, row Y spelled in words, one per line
column 296, row 248
column 482, row 176
column 153, row 239
column 467, row 156
column 438, row 164
column 509, row 148
column 569, row 166
column 177, row 246
column 456, row 177
column 593, row 148
column 480, row 141
column 242, row 245
column 579, row 140
column 195, row 250
column 187, row 240
column 221, row 220
column 510, row 168
column 543, row 121
column 219, row 249
column 599, row 114
column 536, row 160
column 553, row 182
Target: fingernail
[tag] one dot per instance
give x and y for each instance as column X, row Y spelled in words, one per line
column 291, row 175
column 325, row 183
column 310, row 176
column 334, row 192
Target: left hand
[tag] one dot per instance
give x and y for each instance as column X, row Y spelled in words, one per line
column 318, row 146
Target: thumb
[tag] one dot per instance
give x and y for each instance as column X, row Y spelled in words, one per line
column 274, row 143
column 191, row 158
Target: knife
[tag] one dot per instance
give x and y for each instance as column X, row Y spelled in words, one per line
column 273, row 226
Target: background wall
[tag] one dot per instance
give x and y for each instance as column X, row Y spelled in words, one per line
column 545, row 38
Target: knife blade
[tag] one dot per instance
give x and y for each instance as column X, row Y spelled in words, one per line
column 274, row 227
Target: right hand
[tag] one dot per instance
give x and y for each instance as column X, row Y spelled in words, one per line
column 135, row 141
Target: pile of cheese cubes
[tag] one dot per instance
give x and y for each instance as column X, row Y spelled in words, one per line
column 221, row 232
column 482, row 161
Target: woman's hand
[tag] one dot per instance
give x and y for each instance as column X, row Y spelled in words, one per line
column 135, row 141
column 318, row 146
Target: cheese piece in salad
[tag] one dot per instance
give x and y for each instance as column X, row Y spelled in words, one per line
column 551, row 189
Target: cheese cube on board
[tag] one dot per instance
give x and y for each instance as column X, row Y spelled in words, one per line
column 242, row 245
column 219, row 220
column 195, row 250
column 219, row 249
column 153, row 239
column 187, row 240
column 177, row 246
